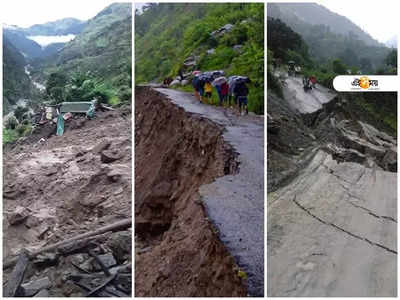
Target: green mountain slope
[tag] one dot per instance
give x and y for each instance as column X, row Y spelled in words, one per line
column 295, row 14
column 167, row 34
column 16, row 84
column 29, row 48
column 101, row 53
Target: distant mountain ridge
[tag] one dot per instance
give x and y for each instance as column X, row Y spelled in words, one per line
column 19, row 37
column 104, row 43
column 60, row 27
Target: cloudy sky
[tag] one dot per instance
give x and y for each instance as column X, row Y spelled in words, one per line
column 25, row 13
column 378, row 18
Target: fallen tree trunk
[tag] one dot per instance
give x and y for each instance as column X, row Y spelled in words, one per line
column 116, row 226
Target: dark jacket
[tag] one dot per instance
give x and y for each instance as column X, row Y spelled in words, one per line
column 194, row 82
column 241, row 90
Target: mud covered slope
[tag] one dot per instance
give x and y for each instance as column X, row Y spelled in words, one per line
column 178, row 251
column 58, row 187
column 332, row 202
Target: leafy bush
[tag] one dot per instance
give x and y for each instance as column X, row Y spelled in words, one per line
column 11, row 123
column 23, row 130
column 19, row 112
column 9, row 135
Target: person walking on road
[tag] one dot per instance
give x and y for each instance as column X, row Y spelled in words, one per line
column 313, row 81
column 195, row 87
column 224, row 92
column 208, row 92
column 218, row 88
column 241, row 91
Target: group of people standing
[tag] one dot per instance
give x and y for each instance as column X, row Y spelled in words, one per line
column 309, row 82
column 231, row 89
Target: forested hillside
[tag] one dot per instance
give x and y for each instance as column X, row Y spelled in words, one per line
column 97, row 63
column 16, row 84
column 168, row 35
column 285, row 44
column 331, row 36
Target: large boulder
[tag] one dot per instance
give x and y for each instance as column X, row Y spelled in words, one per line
column 175, row 82
column 190, row 61
column 237, row 47
column 211, row 51
column 221, row 31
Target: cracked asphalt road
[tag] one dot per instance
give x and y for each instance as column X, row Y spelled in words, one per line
column 333, row 232
column 235, row 203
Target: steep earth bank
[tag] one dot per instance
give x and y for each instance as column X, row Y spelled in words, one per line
column 178, row 251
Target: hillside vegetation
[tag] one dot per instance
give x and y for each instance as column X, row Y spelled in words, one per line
column 167, row 34
column 97, row 63
column 285, row 43
column 16, row 84
column 330, row 36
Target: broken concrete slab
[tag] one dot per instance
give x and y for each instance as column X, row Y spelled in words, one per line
column 369, row 141
column 107, row 259
column 33, row 287
column 42, row 293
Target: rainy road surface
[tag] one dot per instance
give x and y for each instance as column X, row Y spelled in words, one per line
column 235, row 203
column 302, row 101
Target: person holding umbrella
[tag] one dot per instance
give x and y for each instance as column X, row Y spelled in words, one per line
column 195, row 84
column 224, row 92
column 218, row 82
column 241, row 91
column 208, row 91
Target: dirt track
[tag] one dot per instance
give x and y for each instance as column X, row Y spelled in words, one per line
column 66, row 187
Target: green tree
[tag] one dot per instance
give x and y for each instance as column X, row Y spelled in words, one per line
column 55, row 86
column 391, row 58
column 19, row 112
column 339, row 67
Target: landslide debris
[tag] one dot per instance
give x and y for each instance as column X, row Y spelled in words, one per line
column 178, row 252
column 57, row 188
